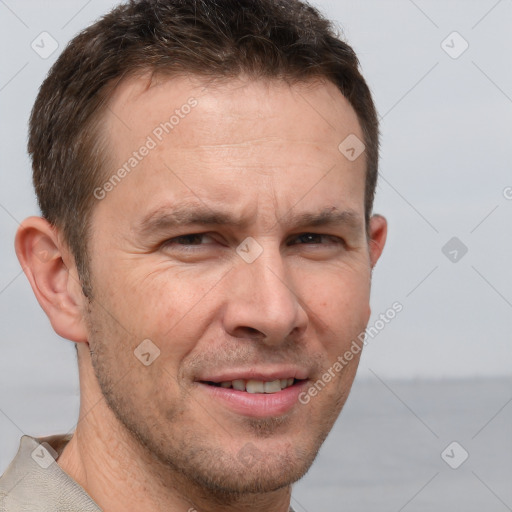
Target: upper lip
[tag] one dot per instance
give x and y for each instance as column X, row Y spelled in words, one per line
column 268, row 374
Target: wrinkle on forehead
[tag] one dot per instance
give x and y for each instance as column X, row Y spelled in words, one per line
column 259, row 141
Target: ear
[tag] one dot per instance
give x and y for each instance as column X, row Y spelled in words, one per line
column 51, row 271
column 378, row 232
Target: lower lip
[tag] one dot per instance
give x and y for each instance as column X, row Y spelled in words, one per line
column 257, row 405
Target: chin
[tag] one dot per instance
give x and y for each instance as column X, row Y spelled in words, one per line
column 257, row 468
column 261, row 478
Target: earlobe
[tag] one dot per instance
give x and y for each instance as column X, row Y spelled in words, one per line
column 378, row 233
column 50, row 269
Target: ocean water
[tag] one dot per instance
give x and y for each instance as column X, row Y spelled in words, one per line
column 437, row 446
column 385, row 452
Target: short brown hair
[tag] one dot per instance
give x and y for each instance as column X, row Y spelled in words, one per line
column 276, row 39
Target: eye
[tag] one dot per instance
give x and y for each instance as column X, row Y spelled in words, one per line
column 185, row 241
column 316, row 239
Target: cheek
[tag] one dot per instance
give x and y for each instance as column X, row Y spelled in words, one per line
column 339, row 305
column 122, row 350
column 170, row 308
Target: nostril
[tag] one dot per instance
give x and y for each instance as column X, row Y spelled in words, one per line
column 248, row 332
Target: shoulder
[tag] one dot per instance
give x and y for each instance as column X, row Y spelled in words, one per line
column 34, row 481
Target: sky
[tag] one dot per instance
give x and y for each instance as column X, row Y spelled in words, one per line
column 441, row 78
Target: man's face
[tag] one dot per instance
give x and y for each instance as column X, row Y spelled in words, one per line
column 247, row 159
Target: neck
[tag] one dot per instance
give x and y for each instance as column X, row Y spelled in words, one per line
column 120, row 475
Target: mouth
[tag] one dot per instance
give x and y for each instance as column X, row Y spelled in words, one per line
column 256, row 395
column 255, row 386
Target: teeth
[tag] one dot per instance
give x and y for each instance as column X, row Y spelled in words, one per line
column 239, row 385
column 255, row 386
column 272, row 387
column 258, row 386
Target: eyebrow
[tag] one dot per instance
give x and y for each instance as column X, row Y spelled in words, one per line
column 173, row 216
column 329, row 217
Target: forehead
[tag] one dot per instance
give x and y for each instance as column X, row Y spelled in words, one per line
column 223, row 140
column 312, row 112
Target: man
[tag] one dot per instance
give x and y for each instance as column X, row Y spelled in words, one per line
column 206, row 173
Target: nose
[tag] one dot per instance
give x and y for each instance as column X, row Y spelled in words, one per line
column 262, row 303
